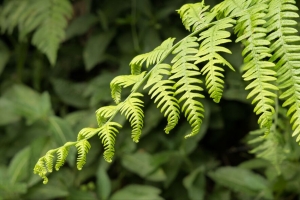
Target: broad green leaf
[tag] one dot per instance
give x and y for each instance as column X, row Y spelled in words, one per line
column 7, row 112
column 94, row 51
column 137, row 192
column 18, row 167
column 80, row 25
column 70, row 93
column 142, row 163
column 195, row 184
column 28, row 103
column 103, row 181
column 45, row 192
column 75, row 194
column 4, row 56
column 61, row 130
column 241, row 180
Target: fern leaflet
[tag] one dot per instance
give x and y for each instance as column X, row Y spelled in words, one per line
column 83, row 147
column 286, row 56
column 163, row 90
column 257, row 70
column 188, row 84
column 104, row 113
column 108, row 133
column 154, row 56
column 208, row 51
column 62, row 154
column 134, row 113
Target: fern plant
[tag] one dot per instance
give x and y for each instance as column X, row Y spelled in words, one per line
column 265, row 30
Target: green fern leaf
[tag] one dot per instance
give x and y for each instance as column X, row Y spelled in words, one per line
column 47, row 18
column 154, row 56
column 48, row 158
column 108, row 133
column 163, row 91
column 257, row 70
column 208, row 52
column 41, row 169
column 134, row 113
column 83, row 147
column 285, row 52
column 233, row 8
column 124, row 81
column 62, row 154
column 188, row 85
column 195, row 16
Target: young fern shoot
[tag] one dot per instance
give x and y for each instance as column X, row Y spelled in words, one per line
column 177, row 88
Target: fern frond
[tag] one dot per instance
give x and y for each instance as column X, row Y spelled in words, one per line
column 104, row 113
column 269, row 147
column 257, row 70
column 163, row 91
column 154, row 56
column 108, row 133
column 188, row 85
column 47, row 18
column 62, row 154
column 285, row 52
column 195, row 16
column 83, row 147
column 134, row 113
column 212, row 39
column 123, row 81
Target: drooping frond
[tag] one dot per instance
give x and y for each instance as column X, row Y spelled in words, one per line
column 83, row 147
column 154, row 56
column 257, row 70
column 41, row 169
column 108, row 133
column 134, row 113
column 195, row 16
column 123, row 81
column 104, row 113
column 188, row 84
column 163, row 91
column 62, row 154
column 47, row 19
column 286, row 52
column 211, row 41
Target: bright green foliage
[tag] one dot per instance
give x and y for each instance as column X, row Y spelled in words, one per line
column 264, row 27
column 285, row 54
column 188, row 84
column 211, row 39
column 107, row 133
column 47, row 19
column 83, row 147
column 62, row 154
column 163, row 91
column 131, row 108
column 260, row 72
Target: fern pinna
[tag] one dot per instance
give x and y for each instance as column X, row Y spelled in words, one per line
column 271, row 67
